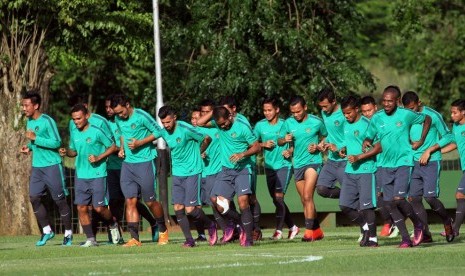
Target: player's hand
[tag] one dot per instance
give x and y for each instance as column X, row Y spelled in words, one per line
column 24, row 150
column 424, row 159
column 331, row 147
column 269, row 144
column 203, row 155
column 366, row 145
column 93, row 159
column 312, row 148
column 133, row 143
column 321, row 147
column 288, row 138
column 287, row 153
column 121, row 153
column 62, row 152
column 343, row 152
column 352, row 158
column 30, row 135
column 416, row 145
column 236, row 157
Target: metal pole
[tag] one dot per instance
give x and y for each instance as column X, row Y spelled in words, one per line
column 162, row 160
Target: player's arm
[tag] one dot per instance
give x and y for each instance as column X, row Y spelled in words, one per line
column 365, row 155
column 205, row 143
column 424, row 132
column 53, row 141
column 67, row 152
column 205, row 120
column 449, row 148
column 109, row 151
column 134, row 143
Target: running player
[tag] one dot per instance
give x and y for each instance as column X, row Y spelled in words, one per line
column 303, row 131
column 424, row 181
column 357, row 199
column 138, row 177
column 389, row 125
column 91, row 146
column 186, row 164
column 278, row 164
column 47, row 170
column 333, row 169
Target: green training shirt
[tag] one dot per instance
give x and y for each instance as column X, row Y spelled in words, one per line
column 139, row 125
column 305, row 133
column 114, row 162
column 458, row 131
column 355, row 134
column 212, row 160
column 394, row 134
column 94, row 141
column 334, row 124
column 185, row 150
column 264, row 131
column 45, row 147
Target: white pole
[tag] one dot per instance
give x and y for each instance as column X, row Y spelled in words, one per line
column 156, row 37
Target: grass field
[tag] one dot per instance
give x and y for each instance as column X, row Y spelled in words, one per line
column 337, row 254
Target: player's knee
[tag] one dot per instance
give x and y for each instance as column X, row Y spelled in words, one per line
column 459, row 196
column 345, row 209
column 431, row 200
column 415, row 199
column 325, row 191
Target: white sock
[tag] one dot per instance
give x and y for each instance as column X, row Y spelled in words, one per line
column 68, row 233
column 365, row 227
column 373, row 239
column 47, row 229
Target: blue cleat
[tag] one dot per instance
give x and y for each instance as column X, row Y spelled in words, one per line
column 44, row 238
column 155, row 233
column 67, row 240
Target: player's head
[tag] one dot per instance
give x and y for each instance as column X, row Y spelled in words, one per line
column 80, row 116
column 108, row 109
column 78, row 98
column 271, row 108
column 391, row 99
column 327, row 100
column 298, row 108
column 230, row 103
column 368, row 106
column 350, row 108
column 195, row 115
column 411, row 101
column 457, row 111
column 222, row 117
column 206, row 106
column 31, row 103
column 167, row 115
column 121, row 106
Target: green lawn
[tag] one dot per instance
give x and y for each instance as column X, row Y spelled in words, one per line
column 338, row 253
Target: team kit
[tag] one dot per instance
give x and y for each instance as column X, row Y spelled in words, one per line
column 387, row 160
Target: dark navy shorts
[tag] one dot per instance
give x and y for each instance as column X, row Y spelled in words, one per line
column 114, row 185
column 139, row 180
column 278, row 180
column 299, row 173
column 230, row 182
column 425, row 179
column 395, row 182
column 91, row 191
column 206, row 188
column 331, row 172
column 358, row 191
column 186, row 190
column 49, row 178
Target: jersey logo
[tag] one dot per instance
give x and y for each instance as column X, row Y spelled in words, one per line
column 37, row 128
column 133, row 126
column 217, row 135
column 307, row 130
column 399, row 124
column 337, row 123
column 178, row 140
column 233, row 135
column 117, row 131
column 88, row 140
column 356, row 133
column 463, row 133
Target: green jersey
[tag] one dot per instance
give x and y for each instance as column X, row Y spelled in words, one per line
column 184, row 147
column 458, row 131
column 212, row 160
column 355, row 134
column 305, row 133
column 96, row 120
column 237, row 139
column 264, row 131
column 334, row 124
column 393, row 132
column 45, row 147
column 244, row 119
column 438, row 133
column 138, row 126
column 92, row 141
column 114, row 162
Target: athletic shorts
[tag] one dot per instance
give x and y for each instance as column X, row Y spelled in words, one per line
column 51, row 178
column 278, row 180
column 139, row 180
column 358, row 191
column 299, row 173
column 331, row 172
column 425, row 179
column 186, row 190
column 461, row 187
column 91, row 191
column 379, row 182
column 206, row 188
column 230, row 182
column 114, row 185
column 395, row 182
column 253, row 184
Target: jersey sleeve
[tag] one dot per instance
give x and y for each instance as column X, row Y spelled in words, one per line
column 53, row 141
column 256, row 132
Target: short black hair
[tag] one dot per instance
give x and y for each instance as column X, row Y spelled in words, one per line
column 326, row 93
column 207, row 102
column 350, row 101
column 410, row 97
column 368, row 100
column 119, row 99
column 34, row 96
column 393, row 89
column 79, row 107
column 297, row 99
column 228, row 100
column 166, row 111
column 460, row 104
column 220, row 112
column 274, row 101
column 78, row 98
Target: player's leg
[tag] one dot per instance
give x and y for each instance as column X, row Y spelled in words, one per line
column 326, row 183
column 82, row 198
column 100, row 199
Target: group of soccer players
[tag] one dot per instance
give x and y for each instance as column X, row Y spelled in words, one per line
column 387, row 159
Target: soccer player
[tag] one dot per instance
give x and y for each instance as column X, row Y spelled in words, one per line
column 357, row 199
column 424, row 181
column 230, row 103
column 114, row 164
column 47, row 170
column 278, row 164
column 457, row 111
column 333, row 169
column 138, row 177
column 392, row 127
column 368, row 108
column 91, row 146
column 303, row 130
column 183, row 141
